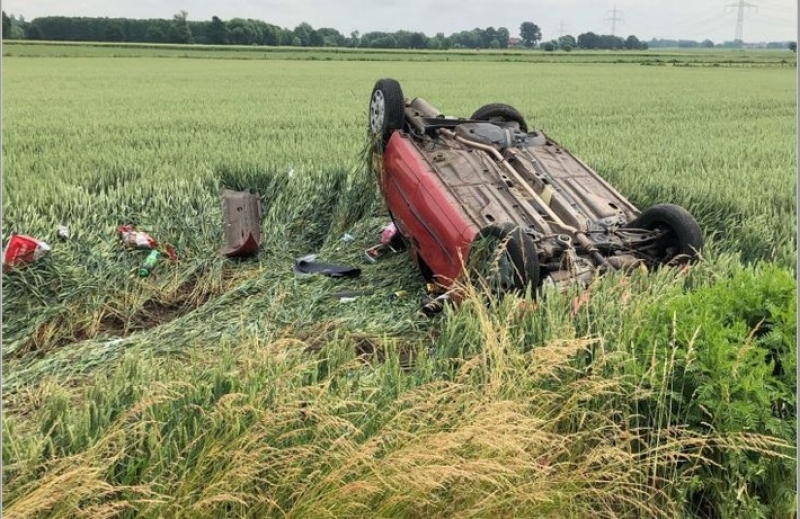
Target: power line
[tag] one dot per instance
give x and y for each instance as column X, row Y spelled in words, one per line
column 614, row 19
column 740, row 5
column 561, row 29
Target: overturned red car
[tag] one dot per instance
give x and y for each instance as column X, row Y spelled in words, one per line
column 489, row 191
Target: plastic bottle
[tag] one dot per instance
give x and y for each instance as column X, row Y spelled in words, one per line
column 149, row 263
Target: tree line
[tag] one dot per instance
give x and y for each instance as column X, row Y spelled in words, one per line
column 246, row 31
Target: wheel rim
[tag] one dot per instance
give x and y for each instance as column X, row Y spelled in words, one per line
column 377, row 112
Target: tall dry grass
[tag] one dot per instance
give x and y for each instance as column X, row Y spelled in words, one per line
column 273, row 431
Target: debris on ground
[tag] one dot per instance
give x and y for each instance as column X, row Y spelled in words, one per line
column 23, row 249
column 135, row 239
column 433, row 306
column 347, row 296
column 377, row 252
column 242, row 213
column 308, row 265
column 62, row 231
column 388, row 233
column 149, row 264
column 348, row 238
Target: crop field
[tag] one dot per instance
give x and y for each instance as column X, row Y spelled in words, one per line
column 216, row 388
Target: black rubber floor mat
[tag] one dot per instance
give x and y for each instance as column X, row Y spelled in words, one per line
column 308, row 265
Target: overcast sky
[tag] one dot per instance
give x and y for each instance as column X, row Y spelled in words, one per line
column 771, row 20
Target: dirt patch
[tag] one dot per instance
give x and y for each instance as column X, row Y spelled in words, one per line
column 66, row 329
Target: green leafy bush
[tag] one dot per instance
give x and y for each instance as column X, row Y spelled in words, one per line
column 730, row 347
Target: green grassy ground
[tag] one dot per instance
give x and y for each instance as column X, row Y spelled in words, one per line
column 193, row 392
column 700, row 57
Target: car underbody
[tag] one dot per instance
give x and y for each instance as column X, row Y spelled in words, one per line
column 451, row 182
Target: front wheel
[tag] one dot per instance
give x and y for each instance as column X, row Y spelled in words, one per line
column 506, row 259
column 682, row 240
column 386, row 110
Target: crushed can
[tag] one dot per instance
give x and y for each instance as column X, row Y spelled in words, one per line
column 23, row 249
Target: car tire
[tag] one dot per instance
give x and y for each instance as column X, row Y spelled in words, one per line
column 502, row 113
column 386, row 110
column 520, row 251
column 684, row 241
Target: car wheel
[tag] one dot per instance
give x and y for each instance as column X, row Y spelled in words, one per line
column 386, row 110
column 684, row 239
column 506, row 258
column 499, row 112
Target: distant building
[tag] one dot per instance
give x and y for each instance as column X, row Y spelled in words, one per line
column 514, row 43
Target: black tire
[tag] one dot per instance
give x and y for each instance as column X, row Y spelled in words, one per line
column 520, row 251
column 386, row 110
column 502, row 113
column 683, row 242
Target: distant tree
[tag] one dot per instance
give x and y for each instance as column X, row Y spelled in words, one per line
column 792, row 46
column 588, row 40
column 488, row 34
column 297, row 42
column 315, row 39
column 440, row 41
column 6, row 26
column 419, row 40
column 610, row 42
column 179, row 31
column 33, row 32
column 567, row 41
column 114, row 32
column 155, row 34
column 304, row 31
column 331, row 37
column 530, row 33
column 632, row 43
column 217, row 32
column 384, row 42
column 708, row 44
column 548, row 46
column 17, row 29
column 355, row 39
column 502, row 37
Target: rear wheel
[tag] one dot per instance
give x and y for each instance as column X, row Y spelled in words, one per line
column 499, row 112
column 683, row 239
column 386, row 110
column 505, row 258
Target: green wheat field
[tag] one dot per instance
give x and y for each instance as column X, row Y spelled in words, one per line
column 219, row 388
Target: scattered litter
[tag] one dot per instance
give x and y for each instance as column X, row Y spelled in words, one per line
column 242, row 215
column 375, row 253
column 170, row 252
column 388, row 233
column 23, row 249
column 398, row 295
column 149, row 264
column 62, row 231
column 308, row 265
column 346, row 296
column 435, row 305
column 348, row 238
column 136, row 239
